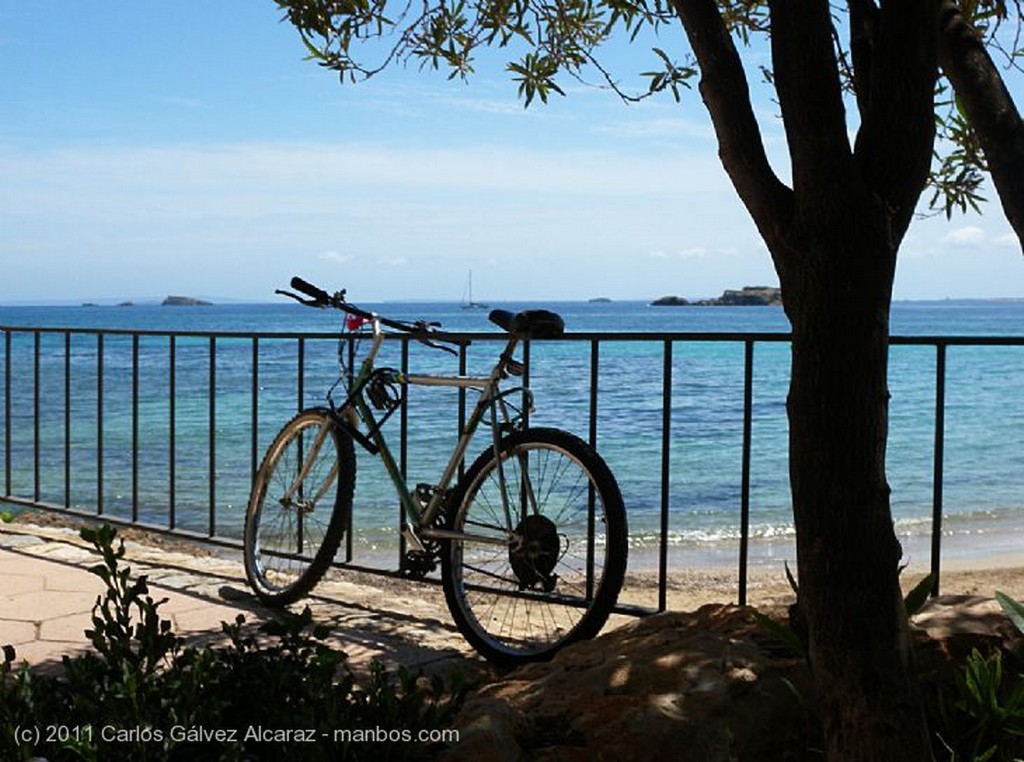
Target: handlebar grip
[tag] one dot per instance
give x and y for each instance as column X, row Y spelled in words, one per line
column 310, row 290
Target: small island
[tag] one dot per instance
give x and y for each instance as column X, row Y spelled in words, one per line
column 600, row 300
column 184, row 301
column 670, row 301
column 748, row 296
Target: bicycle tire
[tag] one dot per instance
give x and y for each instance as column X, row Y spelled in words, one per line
column 285, row 557
column 525, row 599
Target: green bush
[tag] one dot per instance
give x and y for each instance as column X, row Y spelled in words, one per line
column 280, row 692
column 984, row 720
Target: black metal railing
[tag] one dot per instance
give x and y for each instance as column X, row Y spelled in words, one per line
column 82, row 408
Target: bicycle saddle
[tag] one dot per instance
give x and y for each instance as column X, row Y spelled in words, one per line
column 530, row 324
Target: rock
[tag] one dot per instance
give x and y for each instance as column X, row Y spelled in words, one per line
column 698, row 681
column 709, row 685
column 184, row 301
column 748, row 296
column 670, row 301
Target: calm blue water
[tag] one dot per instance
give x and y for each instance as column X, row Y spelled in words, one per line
column 984, row 455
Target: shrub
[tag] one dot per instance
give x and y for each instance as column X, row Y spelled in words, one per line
column 276, row 692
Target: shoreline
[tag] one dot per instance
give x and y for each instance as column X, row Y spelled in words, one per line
column 687, row 588
column 978, row 562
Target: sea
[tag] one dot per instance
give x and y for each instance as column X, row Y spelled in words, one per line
column 982, row 462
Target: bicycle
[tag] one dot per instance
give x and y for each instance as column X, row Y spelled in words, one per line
column 530, row 538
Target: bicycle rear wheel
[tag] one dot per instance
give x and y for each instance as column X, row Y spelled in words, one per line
column 521, row 594
column 299, row 506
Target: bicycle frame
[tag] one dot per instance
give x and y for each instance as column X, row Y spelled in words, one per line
column 492, row 399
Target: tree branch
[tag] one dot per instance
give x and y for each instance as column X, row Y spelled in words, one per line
column 724, row 89
column 863, row 31
column 810, row 95
column 986, row 101
column 897, row 134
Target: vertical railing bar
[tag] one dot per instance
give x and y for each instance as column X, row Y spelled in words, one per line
column 8, row 339
column 748, row 403
column 403, row 449
column 595, row 349
column 36, row 413
column 463, row 369
column 937, row 477
column 255, row 407
column 99, row 424
column 135, row 427
column 526, row 382
column 403, row 417
column 350, row 348
column 67, row 419
column 666, row 432
column 172, row 454
column 212, row 437
column 300, row 384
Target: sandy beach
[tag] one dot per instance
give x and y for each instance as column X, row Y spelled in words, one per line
column 693, row 579
column 688, row 589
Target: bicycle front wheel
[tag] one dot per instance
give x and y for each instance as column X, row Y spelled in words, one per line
column 300, row 503
column 544, row 552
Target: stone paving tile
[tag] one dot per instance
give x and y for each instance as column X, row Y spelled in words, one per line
column 48, row 604
column 16, row 584
column 44, row 604
column 17, row 633
column 66, row 629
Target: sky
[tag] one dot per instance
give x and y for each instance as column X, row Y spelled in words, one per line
column 152, row 148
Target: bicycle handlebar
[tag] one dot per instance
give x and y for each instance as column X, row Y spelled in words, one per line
column 320, row 298
column 316, row 294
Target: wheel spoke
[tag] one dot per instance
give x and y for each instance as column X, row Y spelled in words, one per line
column 553, row 583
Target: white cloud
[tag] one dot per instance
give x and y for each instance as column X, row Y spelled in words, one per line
column 1009, row 240
column 335, row 256
column 695, row 252
column 969, row 235
column 663, row 127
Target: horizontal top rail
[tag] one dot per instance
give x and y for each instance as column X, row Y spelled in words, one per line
column 471, row 336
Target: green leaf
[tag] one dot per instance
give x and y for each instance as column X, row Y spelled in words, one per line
column 792, row 580
column 1014, row 610
column 917, row 597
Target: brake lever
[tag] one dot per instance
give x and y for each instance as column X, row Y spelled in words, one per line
column 299, row 299
column 442, row 347
column 427, row 327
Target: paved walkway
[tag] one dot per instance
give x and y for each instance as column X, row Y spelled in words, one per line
column 47, row 595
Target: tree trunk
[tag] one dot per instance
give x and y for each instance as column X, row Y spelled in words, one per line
column 833, row 237
column 847, row 551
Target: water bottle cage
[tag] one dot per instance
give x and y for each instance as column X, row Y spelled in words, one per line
column 385, row 389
